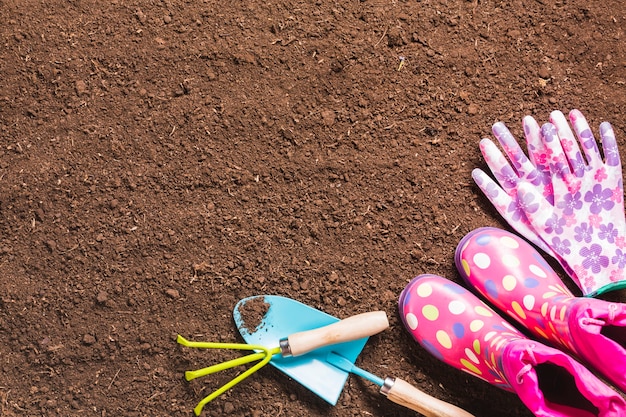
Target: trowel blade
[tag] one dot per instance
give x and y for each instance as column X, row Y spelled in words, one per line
column 275, row 317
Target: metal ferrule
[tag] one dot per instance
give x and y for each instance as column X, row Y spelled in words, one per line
column 285, row 349
column 389, row 381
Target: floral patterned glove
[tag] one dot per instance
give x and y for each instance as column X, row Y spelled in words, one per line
column 532, row 169
column 584, row 224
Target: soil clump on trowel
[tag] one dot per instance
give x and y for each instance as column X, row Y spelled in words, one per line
column 253, row 313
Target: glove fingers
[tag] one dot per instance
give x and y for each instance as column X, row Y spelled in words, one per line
column 562, row 178
column 557, row 159
column 507, row 206
column 499, row 166
column 538, row 156
column 496, row 195
column 585, row 137
column 568, row 142
column 609, row 145
column 520, row 162
column 534, row 144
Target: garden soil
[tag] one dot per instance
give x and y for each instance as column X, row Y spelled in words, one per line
column 161, row 160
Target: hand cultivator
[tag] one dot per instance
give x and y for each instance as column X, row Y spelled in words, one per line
column 319, row 352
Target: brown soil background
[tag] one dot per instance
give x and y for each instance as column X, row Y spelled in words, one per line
column 160, row 160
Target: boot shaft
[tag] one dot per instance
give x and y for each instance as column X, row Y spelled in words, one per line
column 515, row 279
column 458, row 328
column 512, row 276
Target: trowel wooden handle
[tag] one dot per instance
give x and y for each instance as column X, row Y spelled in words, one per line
column 346, row 330
column 405, row 394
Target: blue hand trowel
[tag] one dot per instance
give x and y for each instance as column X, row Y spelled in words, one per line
column 306, row 336
column 294, row 338
column 321, row 350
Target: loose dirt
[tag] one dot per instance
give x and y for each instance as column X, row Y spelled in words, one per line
column 252, row 314
column 161, row 160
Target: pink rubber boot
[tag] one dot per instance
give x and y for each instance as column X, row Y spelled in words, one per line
column 515, row 279
column 461, row 330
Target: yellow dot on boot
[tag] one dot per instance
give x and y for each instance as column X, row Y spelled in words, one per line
column 470, row 366
column 444, row 339
column 476, row 346
column 482, row 311
column 466, row 267
column 430, row 312
column 519, row 310
column 509, row 282
column 476, row 325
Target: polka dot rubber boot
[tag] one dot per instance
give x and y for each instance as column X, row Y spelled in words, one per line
column 458, row 328
column 513, row 277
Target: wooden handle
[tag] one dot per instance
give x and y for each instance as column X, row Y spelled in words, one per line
column 405, row 394
column 346, row 330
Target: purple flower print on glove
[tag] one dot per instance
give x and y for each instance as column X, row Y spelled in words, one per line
column 588, row 208
column 533, row 169
column 563, row 196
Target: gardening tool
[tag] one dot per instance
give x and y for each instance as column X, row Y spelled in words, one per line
column 401, row 392
column 286, row 316
column 299, row 355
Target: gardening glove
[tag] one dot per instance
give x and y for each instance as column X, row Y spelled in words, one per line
column 585, row 226
column 556, row 162
column 532, row 169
